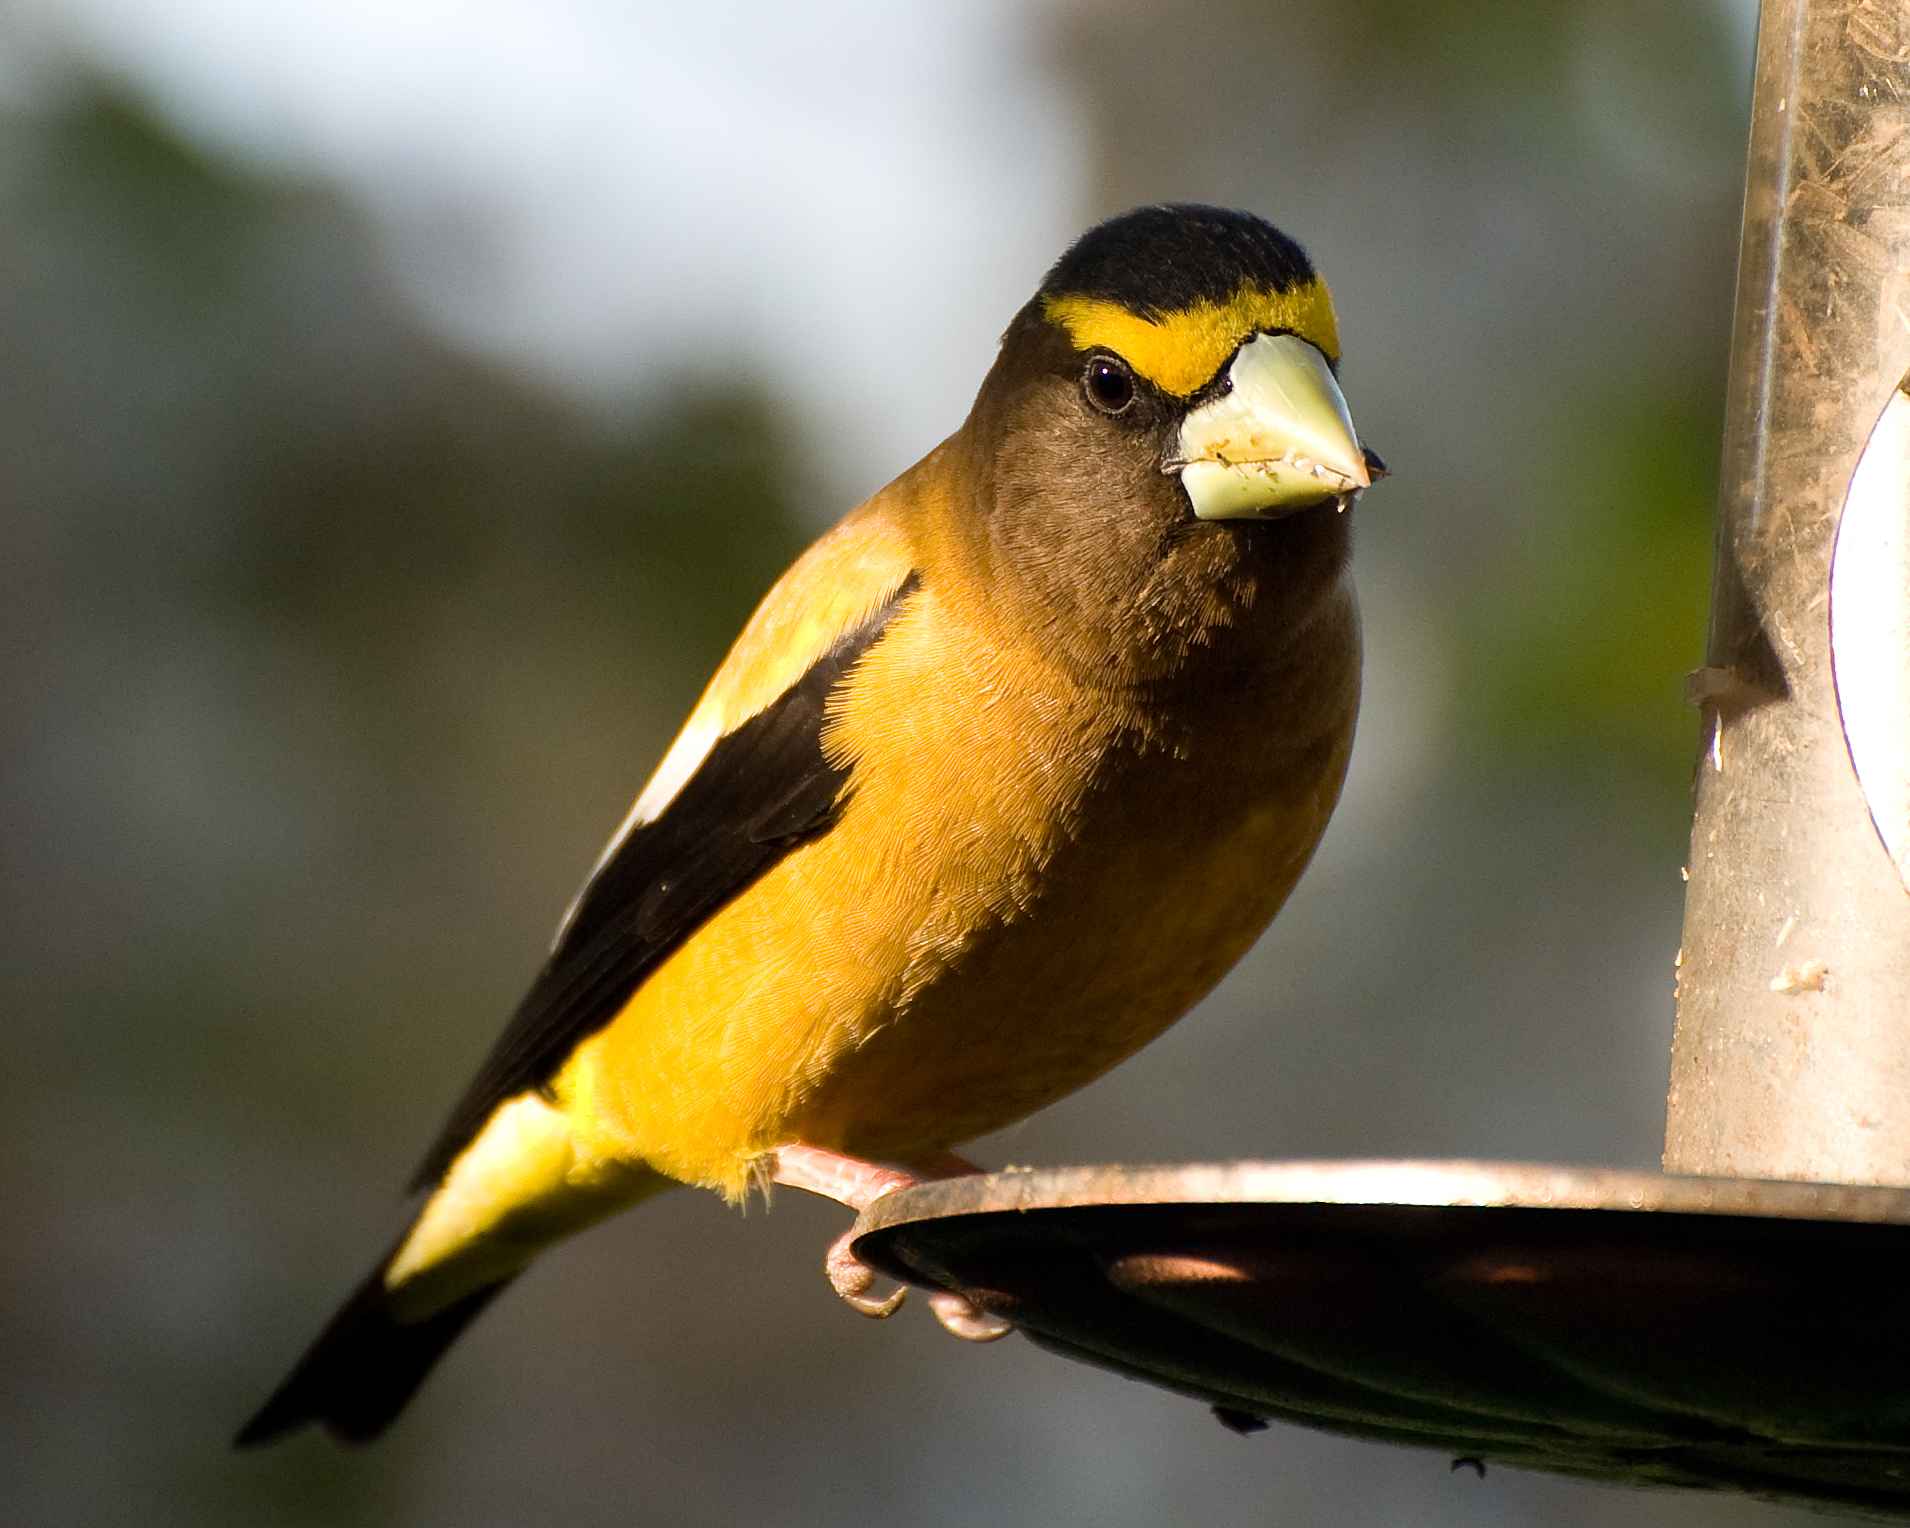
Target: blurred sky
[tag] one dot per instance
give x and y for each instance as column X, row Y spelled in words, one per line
column 403, row 405
column 615, row 193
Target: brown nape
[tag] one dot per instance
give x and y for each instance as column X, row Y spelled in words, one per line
column 1102, row 548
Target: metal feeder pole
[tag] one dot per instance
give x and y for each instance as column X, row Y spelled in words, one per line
column 1792, row 1052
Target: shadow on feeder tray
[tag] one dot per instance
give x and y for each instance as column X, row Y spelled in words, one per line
column 1629, row 1327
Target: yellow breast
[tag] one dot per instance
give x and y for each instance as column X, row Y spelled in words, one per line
column 1032, row 885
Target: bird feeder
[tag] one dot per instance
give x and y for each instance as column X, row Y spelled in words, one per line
column 1736, row 1322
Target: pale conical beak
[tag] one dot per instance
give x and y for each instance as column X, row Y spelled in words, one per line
column 1278, row 440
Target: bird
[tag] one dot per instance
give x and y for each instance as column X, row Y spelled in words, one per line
column 1002, row 776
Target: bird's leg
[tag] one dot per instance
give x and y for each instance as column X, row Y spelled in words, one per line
column 858, row 1184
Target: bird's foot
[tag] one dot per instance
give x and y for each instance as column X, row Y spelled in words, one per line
column 858, row 1184
column 852, row 1279
column 962, row 1317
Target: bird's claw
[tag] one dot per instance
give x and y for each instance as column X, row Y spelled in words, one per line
column 858, row 1184
column 961, row 1317
column 852, row 1279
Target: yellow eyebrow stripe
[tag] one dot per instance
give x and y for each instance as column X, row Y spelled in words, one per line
column 1180, row 352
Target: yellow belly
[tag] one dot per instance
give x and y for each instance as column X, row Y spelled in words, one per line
column 978, row 939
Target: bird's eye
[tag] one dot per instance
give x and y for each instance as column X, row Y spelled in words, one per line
column 1108, row 384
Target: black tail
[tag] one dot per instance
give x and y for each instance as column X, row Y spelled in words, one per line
column 363, row 1368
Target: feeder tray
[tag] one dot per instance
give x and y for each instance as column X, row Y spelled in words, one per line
column 1623, row 1326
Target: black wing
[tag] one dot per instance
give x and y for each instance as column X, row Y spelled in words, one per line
column 761, row 790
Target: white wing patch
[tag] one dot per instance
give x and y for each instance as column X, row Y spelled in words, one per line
column 686, row 755
column 830, row 591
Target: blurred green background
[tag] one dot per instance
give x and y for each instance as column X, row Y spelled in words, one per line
column 402, row 407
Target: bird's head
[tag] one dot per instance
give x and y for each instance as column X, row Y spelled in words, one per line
column 1162, row 448
column 1199, row 343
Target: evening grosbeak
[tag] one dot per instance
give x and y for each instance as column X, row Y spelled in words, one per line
column 1002, row 776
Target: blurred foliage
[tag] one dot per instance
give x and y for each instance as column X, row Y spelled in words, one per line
column 354, row 465
column 289, row 572
column 1571, row 664
column 304, row 557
